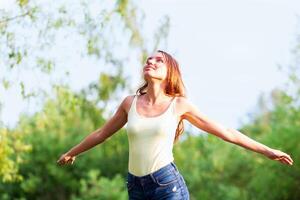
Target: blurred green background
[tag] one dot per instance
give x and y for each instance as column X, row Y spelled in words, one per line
column 212, row 168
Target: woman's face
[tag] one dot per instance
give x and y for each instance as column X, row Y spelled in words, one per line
column 155, row 67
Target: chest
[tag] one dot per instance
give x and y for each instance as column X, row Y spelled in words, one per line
column 162, row 127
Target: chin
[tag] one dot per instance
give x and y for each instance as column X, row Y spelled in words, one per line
column 146, row 73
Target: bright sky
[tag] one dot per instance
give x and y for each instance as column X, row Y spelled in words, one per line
column 228, row 52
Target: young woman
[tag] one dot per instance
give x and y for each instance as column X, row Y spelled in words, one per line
column 154, row 118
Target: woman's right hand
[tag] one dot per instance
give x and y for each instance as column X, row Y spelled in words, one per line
column 66, row 159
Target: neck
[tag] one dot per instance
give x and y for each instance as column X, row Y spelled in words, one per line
column 155, row 93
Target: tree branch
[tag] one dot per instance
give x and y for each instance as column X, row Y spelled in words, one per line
column 13, row 18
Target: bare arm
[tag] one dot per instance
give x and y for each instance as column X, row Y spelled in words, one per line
column 248, row 143
column 193, row 115
column 118, row 120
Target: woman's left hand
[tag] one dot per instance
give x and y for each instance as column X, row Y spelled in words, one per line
column 282, row 157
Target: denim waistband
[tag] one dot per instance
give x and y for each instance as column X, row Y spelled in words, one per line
column 151, row 177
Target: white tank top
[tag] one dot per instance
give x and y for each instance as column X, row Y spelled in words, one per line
column 150, row 139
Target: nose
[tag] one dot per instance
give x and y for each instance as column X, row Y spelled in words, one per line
column 150, row 61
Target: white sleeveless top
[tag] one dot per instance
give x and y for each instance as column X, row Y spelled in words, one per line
column 150, row 139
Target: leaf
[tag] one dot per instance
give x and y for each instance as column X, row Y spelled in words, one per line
column 23, row 3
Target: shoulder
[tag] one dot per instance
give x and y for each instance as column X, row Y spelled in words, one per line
column 184, row 106
column 129, row 98
column 182, row 102
column 126, row 102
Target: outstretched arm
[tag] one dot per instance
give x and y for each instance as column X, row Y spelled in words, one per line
column 118, row 120
column 192, row 114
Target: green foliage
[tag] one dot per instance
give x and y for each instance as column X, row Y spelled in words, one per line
column 108, row 83
column 284, row 134
column 23, row 2
column 12, row 149
column 31, row 52
column 212, row 168
column 96, row 187
column 65, row 121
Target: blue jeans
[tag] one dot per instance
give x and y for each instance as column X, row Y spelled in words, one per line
column 165, row 183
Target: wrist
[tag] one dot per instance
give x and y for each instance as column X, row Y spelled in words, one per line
column 268, row 151
column 71, row 153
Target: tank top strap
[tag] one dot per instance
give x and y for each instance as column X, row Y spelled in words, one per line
column 173, row 103
column 133, row 105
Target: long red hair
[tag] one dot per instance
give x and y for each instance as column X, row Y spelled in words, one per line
column 174, row 86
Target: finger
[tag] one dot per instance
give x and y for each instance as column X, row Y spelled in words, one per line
column 62, row 161
column 289, row 161
column 287, row 158
column 58, row 161
column 73, row 160
column 69, row 161
column 278, row 158
column 286, row 161
column 67, row 158
column 282, row 160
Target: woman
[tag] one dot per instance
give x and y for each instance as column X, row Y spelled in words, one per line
column 155, row 121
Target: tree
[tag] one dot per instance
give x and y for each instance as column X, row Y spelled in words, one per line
column 38, row 39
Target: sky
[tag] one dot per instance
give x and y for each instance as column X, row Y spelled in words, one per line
column 228, row 52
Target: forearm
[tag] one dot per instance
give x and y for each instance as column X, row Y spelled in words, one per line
column 248, row 143
column 89, row 142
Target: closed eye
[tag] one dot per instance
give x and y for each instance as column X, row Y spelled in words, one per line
column 159, row 60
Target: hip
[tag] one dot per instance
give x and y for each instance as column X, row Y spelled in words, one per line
column 166, row 182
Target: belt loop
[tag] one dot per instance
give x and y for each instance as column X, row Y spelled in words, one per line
column 152, row 177
column 172, row 163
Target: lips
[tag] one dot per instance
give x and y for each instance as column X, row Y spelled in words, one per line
column 148, row 67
